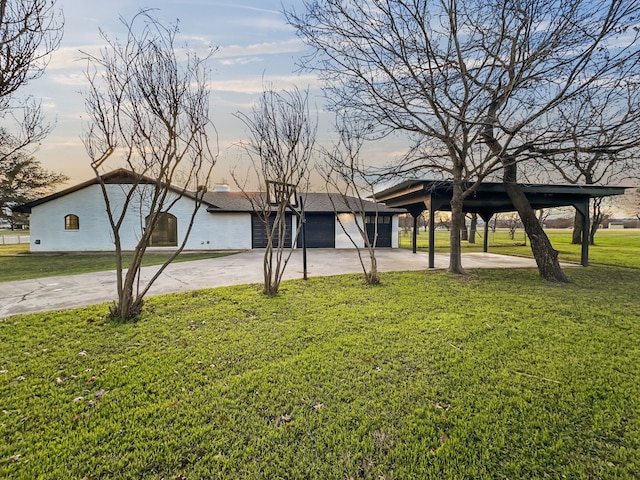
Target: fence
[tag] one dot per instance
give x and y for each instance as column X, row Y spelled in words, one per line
column 14, row 239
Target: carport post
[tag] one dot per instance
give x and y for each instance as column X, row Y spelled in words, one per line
column 583, row 209
column 432, row 236
column 485, row 246
column 486, row 218
column 415, row 234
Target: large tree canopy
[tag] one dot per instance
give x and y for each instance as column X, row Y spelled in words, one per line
column 475, row 83
column 23, row 179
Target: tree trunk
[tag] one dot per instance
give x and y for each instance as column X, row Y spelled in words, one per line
column 596, row 219
column 592, row 233
column 457, row 220
column 576, row 237
column 545, row 255
column 270, row 286
column 474, row 228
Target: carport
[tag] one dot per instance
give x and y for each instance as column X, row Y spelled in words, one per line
column 487, row 199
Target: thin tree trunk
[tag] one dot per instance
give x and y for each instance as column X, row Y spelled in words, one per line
column 596, row 219
column 545, row 255
column 474, row 228
column 576, row 237
column 373, row 278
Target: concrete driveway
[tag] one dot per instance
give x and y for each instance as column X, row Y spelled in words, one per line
column 58, row 293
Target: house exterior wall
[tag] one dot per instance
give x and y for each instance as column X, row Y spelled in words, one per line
column 349, row 222
column 209, row 232
column 229, row 231
column 47, row 223
column 395, row 229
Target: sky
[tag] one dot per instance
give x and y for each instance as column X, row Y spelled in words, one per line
column 255, row 45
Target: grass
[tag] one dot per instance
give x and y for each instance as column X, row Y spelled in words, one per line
column 428, row 376
column 613, row 247
column 17, row 264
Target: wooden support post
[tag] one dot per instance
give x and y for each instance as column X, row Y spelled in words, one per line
column 583, row 209
column 485, row 246
column 432, row 236
column 415, row 234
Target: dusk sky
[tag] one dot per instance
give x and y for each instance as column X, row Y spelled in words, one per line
column 255, row 45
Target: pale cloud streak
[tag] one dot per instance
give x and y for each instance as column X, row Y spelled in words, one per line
column 289, row 46
column 256, row 85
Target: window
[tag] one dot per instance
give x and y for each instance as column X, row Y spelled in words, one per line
column 382, row 219
column 166, row 232
column 71, row 222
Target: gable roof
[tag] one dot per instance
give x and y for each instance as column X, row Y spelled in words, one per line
column 223, row 201
column 120, row 176
column 313, row 203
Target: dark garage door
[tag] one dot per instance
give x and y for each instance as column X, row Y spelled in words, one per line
column 320, row 230
column 384, row 230
column 259, row 233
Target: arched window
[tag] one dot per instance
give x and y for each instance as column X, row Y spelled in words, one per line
column 71, row 222
column 166, row 232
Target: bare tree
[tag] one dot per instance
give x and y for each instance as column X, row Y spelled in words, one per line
column 512, row 222
column 608, row 117
column 343, row 172
column 148, row 108
column 30, row 30
column 282, row 138
column 396, row 65
column 473, row 81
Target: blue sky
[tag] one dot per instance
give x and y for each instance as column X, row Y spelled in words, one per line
column 255, row 45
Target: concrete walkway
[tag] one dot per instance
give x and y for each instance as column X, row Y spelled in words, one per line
column 58, row 293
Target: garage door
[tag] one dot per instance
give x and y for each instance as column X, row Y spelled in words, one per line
column 384, row 230
column 320, row 230
column 259, row 233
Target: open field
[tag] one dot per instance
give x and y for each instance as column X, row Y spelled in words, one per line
column 20, row 265
column 427, row 376
column 613, row 247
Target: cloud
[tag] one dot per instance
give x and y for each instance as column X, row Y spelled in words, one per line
column 49, row 105
column 71, row 57
column 71, row 79
column 254, row 85
column 293, row 45
column 241, row 60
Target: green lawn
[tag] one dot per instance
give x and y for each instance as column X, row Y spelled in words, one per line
column 613, row 247
column 428, row 376
column 17, row 264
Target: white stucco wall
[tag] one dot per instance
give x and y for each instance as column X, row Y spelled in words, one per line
column 210, row 231
column 395, row 225
column 348, row 221
column 230, row 231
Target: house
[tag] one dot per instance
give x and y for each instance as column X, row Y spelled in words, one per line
column 75, row 220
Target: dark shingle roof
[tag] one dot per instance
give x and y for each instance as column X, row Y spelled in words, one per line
column 313, row 203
